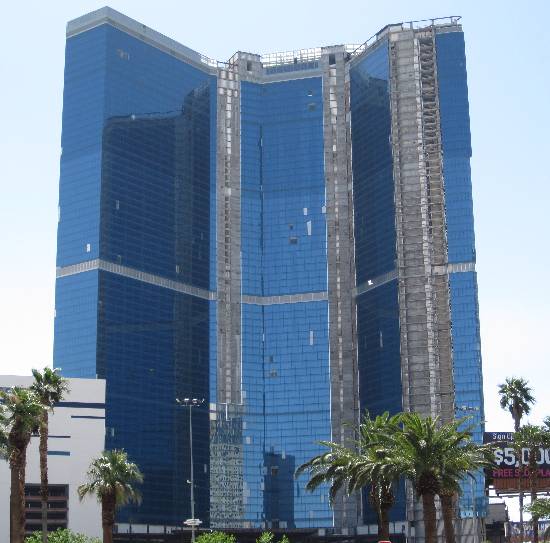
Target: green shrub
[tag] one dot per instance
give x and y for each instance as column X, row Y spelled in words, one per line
column 216, row 537
column 269, row 537
column 62, row 536
column 266, row 537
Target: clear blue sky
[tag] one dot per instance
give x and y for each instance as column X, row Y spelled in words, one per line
column 508, row 56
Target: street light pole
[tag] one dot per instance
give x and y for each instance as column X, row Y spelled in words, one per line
column 190, row 403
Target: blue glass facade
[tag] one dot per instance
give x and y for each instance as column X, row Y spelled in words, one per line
column 457, row 150
column 75, row 347
column 375, row 239
column 152, row 348
column 146, row 175
column 285, row 346
column 135, row 191
column 375, row 234
column 373, row 190
column 283, row 188
column 375, row 242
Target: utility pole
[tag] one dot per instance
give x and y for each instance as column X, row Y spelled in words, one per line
column 190, row 403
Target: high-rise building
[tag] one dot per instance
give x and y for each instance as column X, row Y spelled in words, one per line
column 288, row 236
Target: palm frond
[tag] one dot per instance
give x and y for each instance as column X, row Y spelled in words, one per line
column 516, row 396
column 49, row 386
column 111, row 474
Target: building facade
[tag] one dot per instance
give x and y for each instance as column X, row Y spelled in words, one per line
column 288, row 236
column 76, row 437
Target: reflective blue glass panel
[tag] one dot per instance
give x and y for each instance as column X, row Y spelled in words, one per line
column 283, row 188
column 373, row 187
column 287, row 397
column 285, row 346
column 153, row 348
column 456, row 144
column 375, row 244
column 137, row 174
column 75, row 326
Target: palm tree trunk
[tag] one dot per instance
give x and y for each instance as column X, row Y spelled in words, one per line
column 22, row 471
column 535, row 522
column 387, row 500
column 533, row 480
column 374, row 500
column 17, row 495
column 382, row 500
column 108, row 504
column 43, row 450
column 448, row 512
column 521, row 527
column 430, row 521
column 517, row 421
column 14, row 504
column 383, row 524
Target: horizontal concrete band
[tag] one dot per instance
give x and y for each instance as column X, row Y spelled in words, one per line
column 132, row 273
column 285, row 298
column 184, row 288
column 458, row 267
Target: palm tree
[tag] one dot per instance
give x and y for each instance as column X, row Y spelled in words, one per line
column 437, row 457
column 50, row 388
column 464, row 461
column 365, row 464
column 516, row 396
column 380, row 467
column 22, row 411
column 540, row 509
column 111, row 478
column 533, row 438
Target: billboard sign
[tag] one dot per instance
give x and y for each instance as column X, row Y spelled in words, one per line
column 511, row 472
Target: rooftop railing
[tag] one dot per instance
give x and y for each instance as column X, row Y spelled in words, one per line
column 312, row 54
column 291, row 57
column 407, row 25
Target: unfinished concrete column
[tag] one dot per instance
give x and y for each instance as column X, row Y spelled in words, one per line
column 341, row 263
column 226, row 447
column 424, row 310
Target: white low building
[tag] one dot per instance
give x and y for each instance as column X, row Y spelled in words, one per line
column 77, row 435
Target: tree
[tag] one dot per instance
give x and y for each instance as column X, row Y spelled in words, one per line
column 379, row 468
column 533, row 438
column 50, row 388
column 111, row 477
column 61, row 536
column 266, row 537
column 370, row 462
column 269, row 537
column 516, row 396
column 437, row 457
column 463, row 461
column 21, row 416
column 540, row 509
column 216, row 537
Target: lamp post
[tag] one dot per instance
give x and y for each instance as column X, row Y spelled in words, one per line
column 191, row 402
